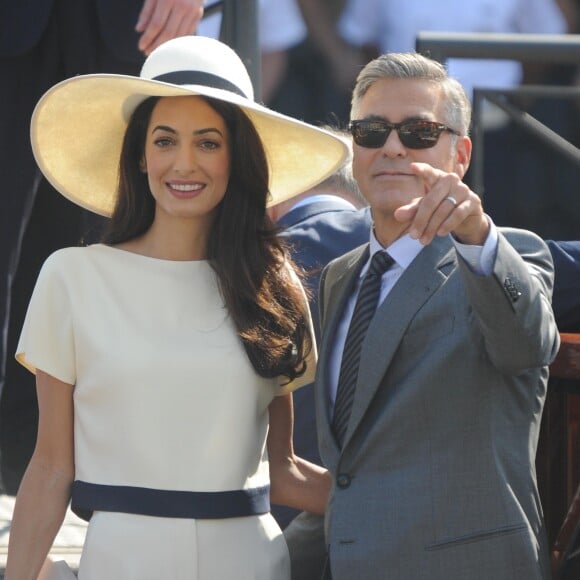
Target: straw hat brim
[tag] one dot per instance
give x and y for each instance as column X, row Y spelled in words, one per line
column 78, row 126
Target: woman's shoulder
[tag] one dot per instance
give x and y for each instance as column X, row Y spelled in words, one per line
column 72, row 262
column 65, row 257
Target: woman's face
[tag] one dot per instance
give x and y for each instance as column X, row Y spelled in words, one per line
column 187, row 158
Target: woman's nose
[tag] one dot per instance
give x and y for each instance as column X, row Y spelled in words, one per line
column 185, row 160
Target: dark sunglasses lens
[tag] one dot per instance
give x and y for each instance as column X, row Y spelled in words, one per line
column 370, row 134
column 419, row 135
column 413, row 135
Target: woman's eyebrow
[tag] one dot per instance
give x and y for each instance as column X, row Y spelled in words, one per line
column 169, row 129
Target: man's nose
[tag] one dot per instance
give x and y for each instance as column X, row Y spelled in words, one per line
column 393, row 146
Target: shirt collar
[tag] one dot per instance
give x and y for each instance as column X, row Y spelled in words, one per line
column 403, row 250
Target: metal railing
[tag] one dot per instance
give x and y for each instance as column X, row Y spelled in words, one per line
column 562, row 48
column 545, row 48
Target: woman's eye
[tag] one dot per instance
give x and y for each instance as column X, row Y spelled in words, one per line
column 163, row 142
column 210, row 145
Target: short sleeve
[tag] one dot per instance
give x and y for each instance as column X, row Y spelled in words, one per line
column 46, row 341
column 311, row 358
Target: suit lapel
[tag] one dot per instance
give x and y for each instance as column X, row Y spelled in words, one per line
column 340, row 284
column 341, row 288
column 417, row 284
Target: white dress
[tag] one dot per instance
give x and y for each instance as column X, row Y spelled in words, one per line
column 164, row 398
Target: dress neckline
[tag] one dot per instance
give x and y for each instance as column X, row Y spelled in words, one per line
column 137, row 256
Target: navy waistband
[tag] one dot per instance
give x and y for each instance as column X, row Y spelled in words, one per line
column 89, row 497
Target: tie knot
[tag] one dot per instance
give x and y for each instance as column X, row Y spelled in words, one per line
column 380, row 263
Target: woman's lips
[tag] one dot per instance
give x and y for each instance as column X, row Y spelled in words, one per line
column 185, row 189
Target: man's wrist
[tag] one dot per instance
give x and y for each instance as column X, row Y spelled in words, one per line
column 473, row 236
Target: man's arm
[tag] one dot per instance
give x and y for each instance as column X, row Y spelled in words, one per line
column 512, row 306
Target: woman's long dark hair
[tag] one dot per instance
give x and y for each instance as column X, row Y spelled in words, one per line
column 251, row 263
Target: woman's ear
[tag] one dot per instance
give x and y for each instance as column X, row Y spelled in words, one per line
column 143, row 165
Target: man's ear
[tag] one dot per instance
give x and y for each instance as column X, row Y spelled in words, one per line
column 462, row 155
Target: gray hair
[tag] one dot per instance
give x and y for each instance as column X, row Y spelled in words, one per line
column 411, row 65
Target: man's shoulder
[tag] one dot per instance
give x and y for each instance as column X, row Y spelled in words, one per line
column 323, row 236
column 325, row 214
column 521, row 237
column 353, row 224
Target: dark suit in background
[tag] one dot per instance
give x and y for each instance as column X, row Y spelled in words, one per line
column 566, row 298
column 41, row 43
column 566, row 305
column 318, row 232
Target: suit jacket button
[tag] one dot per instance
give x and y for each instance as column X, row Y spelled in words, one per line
column 343, row 480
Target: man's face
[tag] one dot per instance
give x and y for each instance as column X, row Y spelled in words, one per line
column 383, row 174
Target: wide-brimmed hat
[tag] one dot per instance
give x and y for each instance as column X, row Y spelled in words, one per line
column 78, row 125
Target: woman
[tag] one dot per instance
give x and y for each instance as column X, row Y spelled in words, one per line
column 165, row 356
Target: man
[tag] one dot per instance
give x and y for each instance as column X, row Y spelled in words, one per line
column 430, row 427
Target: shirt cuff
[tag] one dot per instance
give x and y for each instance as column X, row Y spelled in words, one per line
column 480, row 258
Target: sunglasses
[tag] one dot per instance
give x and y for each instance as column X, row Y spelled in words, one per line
column 416, row 134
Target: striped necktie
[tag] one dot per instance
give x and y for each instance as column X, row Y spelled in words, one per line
column 366, row 304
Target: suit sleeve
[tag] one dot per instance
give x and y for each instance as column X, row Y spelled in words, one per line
column 512, row 306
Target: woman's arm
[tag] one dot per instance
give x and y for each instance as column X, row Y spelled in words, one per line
column 44, row 493
column 295, row 482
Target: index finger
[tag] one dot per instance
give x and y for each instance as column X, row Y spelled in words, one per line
column 427, row 173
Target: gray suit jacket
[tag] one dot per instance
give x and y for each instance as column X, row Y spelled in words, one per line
column 436, row 477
